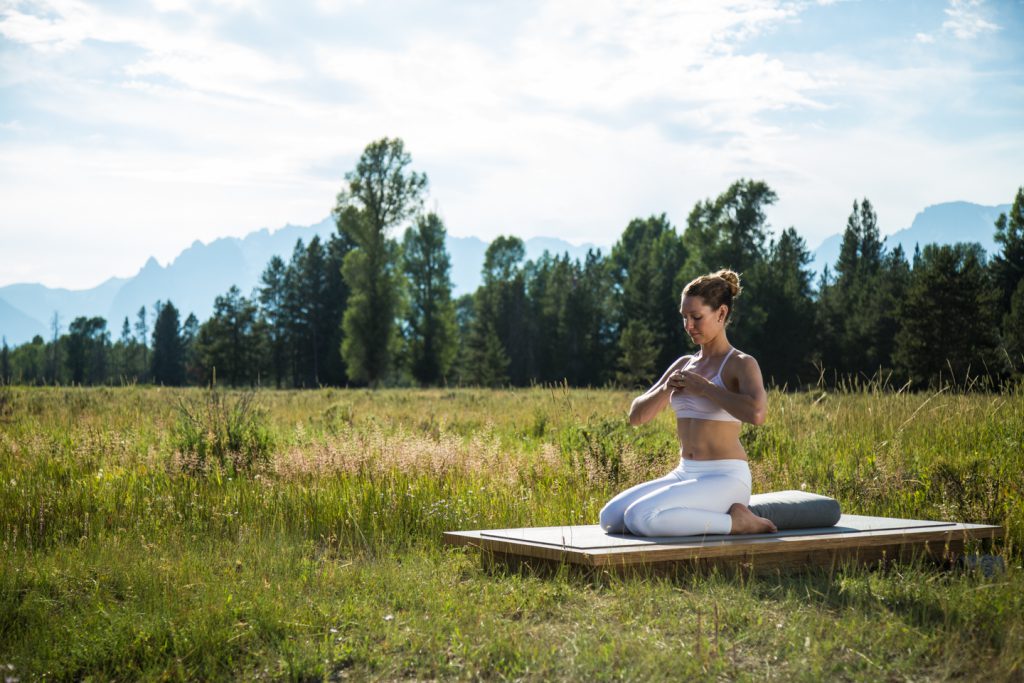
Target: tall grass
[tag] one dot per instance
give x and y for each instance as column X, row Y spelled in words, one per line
column 215, row 431
column 182, row 534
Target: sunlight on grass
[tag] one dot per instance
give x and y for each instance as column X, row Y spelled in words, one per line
column 155, row 533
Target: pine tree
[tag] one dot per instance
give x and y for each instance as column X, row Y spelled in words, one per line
column 857, row 311
column 99, row 355
column 142, row 332
column 889, row 295
column 189, row 335
column 465, row 322
column 592, row 315
column 123, row 351
column 313, row 285
column 5, row 364
column 294, row 315
column 431, row 319
column 639, row 354
column 500, row 317
column 487, row 363
column 570, row 319
column 779, row 320
column 1008, row 265
column 1013, row 329
column 950, row 327
column 231, row 342
column 333, row 370
column 271, row 293
column 549, row 286
column 53, row 356
column 168, row 367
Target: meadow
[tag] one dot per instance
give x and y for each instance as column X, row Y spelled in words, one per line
column 183, row 534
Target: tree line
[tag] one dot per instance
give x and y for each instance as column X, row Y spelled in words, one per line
column 365, row 308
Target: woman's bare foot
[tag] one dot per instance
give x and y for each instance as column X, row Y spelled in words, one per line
column 746, row 522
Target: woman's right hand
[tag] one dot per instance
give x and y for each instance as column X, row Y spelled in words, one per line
column 646, row 405
column 676, row 381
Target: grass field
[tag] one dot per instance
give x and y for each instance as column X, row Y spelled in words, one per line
column 155, row 534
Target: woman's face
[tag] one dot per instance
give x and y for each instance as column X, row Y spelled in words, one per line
column 699, row 321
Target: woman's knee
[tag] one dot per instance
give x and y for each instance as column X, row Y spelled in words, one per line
column 610, row 518
column 612, row 514
column 635, row 520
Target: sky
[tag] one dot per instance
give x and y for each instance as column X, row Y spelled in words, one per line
column 130, row 129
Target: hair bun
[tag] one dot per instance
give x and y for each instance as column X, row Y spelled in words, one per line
column 733, row 279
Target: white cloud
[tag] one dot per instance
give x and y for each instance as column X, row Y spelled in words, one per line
column 331, row 7
column 194, row 56
column 57, row 26
column 587, row 115
column 966, row 19
column 924, row 38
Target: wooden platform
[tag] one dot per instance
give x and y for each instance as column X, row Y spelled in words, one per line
column 855, row 538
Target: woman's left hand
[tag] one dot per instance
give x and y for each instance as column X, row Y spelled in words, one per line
column 694, row 383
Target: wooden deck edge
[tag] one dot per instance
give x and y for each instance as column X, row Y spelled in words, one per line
column 513, row 548
column 769, row 552
column 806, row 544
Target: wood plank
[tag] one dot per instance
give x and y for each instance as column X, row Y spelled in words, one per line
column 861, row 539
column 593, row 536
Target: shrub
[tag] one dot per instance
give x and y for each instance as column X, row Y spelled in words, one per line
column 610, row 449
column 217, row 430
column 6, row 400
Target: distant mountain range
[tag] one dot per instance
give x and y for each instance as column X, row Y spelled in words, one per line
column 946, row 223
column 203, row 271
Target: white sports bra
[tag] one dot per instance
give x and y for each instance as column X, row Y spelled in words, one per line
column 700, row 407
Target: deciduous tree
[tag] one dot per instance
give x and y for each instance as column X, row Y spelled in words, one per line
column 729, row 232
column 381, row 193
column 87, row 342
column 646, row 266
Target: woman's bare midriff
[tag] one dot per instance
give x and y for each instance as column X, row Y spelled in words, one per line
column 709, row 439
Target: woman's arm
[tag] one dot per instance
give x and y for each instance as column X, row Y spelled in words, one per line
column 750, row 404
column 650, row 403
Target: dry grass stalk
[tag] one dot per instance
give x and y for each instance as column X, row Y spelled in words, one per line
column 375, row 452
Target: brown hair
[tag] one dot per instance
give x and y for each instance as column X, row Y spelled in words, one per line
column 716, row 289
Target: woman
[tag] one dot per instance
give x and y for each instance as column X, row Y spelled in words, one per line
column 712, row 393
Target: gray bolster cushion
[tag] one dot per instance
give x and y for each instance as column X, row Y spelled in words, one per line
column 796, row 509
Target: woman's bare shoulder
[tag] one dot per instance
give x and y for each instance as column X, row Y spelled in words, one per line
column 681, row 361
column 742, row 363
column 743, row 356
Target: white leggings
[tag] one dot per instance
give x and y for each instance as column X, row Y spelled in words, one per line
column 691, row 500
